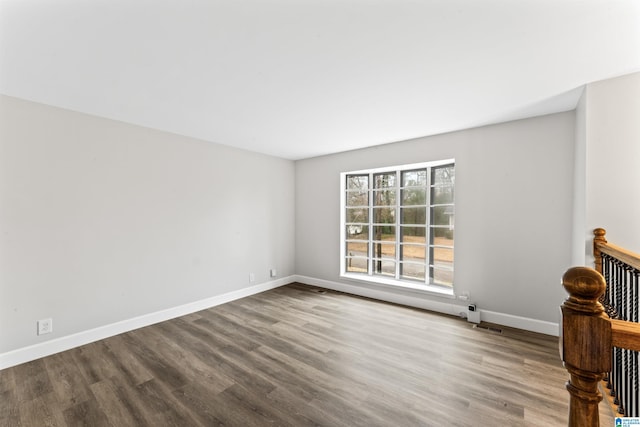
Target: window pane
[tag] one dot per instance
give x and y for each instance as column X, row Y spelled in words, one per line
column 443, row 179
column 384, row 232
column 442, row 258
column 357, row 198
column 414, row 178
column 442, row 215
column 357, row 265
column 414, row 196
column 384, row 198
column 413, row 234
column 357, row 182
column 444, row 175
column 385, row 180
column 357, row 215
column 384, row 268
column 441, row 195
column 357, row 249
column 357, row 232
column 413, row 252
column 442, row 236
column 412, row 271
column 384, row 250
column 384, row 215
column 414, row 215
column 442, row 277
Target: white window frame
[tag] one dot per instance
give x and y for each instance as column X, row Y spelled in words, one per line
column 397, row 280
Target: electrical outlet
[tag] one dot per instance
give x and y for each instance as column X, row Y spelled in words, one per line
column 45, row 326
column 274, row 273
column 252, row 277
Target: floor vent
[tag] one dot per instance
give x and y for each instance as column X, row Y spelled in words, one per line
column 488, row 328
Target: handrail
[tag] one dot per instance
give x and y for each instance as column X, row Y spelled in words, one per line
column 588, row 334
column 625, row 334
column 600, row 245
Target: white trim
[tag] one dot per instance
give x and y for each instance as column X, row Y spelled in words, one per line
column 526, row 323
column 451, row 308
column 36, row 351
column 432, row 163
column 440, row 291
column 416, row 300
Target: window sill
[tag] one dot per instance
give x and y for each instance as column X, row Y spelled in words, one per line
column 441, row 291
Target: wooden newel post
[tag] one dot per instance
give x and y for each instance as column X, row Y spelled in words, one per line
column 598, row 237
column 585, row 343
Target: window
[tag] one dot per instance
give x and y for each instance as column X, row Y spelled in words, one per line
column 397, row 225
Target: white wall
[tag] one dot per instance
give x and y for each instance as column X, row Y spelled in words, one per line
column 102, row 221
column 613, row 159
column 514, row 208
column 580, row 240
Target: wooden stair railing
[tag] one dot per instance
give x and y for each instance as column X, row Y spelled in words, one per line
column 588, row 334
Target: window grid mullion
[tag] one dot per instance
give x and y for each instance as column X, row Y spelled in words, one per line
column 397, row 223
column 371, row 222
column 427, row 238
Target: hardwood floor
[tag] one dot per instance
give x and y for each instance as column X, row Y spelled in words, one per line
column 297, row 356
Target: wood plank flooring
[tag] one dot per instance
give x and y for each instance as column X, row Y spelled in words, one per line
column 297, row 356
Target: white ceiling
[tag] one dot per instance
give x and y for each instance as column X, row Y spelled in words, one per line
column 302, row 78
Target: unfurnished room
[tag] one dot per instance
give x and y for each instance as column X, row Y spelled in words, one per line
column 323, row 213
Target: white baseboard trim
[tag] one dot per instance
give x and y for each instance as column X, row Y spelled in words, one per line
column 36, row 351
column 453, row 308
column 447, row 307
column 526, row 323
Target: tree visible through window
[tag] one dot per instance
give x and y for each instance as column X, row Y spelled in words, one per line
column 398, row 223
